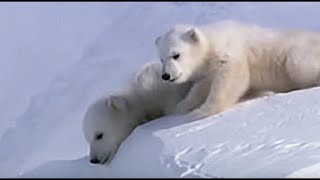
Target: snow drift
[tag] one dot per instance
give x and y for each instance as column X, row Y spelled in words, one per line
column 271, row 137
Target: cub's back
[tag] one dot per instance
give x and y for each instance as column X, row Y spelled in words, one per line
column 152, row 92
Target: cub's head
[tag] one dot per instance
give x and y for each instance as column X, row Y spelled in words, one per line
column 105, row 127
column 181, row 51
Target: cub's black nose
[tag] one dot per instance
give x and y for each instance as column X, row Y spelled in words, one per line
column 94, row 161
column 166, row 76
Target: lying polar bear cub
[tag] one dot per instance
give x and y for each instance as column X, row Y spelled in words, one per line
column 228, row 60
column 110, row 120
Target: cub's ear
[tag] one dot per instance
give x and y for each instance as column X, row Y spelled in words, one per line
column 192, row 35
column 157, row 40
column 116, row 103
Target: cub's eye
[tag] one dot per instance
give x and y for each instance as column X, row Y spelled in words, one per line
column 176, row 56
column 99, row 136
column 161, row 60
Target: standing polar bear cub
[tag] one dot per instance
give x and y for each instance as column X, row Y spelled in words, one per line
column 229, row 60
column 109, row 121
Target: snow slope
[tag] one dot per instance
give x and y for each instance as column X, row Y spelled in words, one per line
column 270, row 137
column 94, row 51
column 38, row 40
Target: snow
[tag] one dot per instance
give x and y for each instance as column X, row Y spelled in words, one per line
column 254, row 139
column 56, row 58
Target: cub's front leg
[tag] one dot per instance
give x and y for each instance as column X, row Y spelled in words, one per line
column 230, row 82
column 196, row 96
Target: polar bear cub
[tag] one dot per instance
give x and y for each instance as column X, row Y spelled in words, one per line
column 110, row 120
column 228, row 60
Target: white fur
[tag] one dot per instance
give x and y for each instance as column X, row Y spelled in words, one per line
column 144, row 98
column 229, row 60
